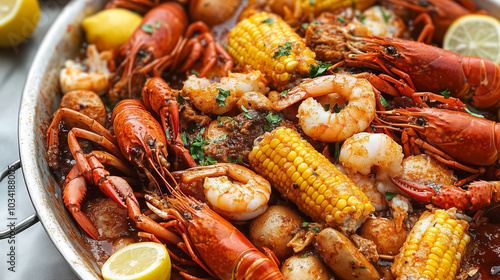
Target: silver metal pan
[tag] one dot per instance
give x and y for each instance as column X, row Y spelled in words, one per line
column 40, row 100
column 41, row 97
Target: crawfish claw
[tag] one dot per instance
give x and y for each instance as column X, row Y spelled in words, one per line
column 416, row 190
column 118, row 190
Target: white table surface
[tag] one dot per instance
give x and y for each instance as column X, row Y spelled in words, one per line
column 36, row 256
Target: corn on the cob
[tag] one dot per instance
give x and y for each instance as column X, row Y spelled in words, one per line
column 309, row 180
column 267, row 43
column 434, row 247
column 315, row 7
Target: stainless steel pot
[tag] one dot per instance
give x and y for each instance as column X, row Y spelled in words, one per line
column 40, row 100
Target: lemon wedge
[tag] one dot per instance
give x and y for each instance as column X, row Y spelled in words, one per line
column 138, row 261
column 18, row 19
column 111, row 28
column 474, row 35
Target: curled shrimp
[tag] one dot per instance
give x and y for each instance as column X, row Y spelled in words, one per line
column 220, row 98
column 370, row 159
column 92, row 74
column 319, row 121
column 242, row 198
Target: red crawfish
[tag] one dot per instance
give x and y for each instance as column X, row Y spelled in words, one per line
column 213, row 242
column 436, row 15
column 455, row 138
column 430, row 69
column 164, row 41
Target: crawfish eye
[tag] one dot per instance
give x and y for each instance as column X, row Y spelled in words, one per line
column 420, row 122
column 391, row 50
column 423, row 4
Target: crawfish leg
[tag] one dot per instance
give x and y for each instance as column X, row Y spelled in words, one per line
column 74, row 191
column 53, row 131
column 428, row 31
column 171, row 113
column 147, row 224
column 77, row 152
column 110, row 160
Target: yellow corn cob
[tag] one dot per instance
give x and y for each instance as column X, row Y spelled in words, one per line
column 267, row 43
column 315, row 7
column 309, row 180
column 434, row 247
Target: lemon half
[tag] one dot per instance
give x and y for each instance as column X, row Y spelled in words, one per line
column 138, row 261
column 474, row 35
column 18, row 19
column 111, row 28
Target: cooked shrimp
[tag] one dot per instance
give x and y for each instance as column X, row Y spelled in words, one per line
column 92, row 74
column 377, row 21
column 318, row 121
column 242, row 198
column 370, row 159
column 372, row 153
column 220, row 98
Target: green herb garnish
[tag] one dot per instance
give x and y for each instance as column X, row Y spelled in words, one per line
column 221, row 97
column 147, row 28
column 318, row 70
column 283, row 50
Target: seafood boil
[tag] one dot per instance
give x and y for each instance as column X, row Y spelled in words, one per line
column 288, row 140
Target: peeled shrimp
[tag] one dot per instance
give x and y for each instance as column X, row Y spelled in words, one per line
column 319, row 121
column 208, row 97
column 372, row 152
column 370, row 159
column 377, row 21
column 242, row 198
column 92, row 74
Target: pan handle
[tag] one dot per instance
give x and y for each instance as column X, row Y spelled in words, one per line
column 24, row 224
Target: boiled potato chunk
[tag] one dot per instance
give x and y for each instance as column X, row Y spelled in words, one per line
column 341, row 256
column 110, row 28
column 274, row 229
column 305, row 266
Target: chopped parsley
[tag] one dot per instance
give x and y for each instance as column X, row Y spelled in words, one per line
column 283, row 50
column 383, row 101
column 362, row 19
column 390, row 195
column 446, row 93
column 245, row 112
column 337, row 109
column 268, row 21
column 221, row 97
column 184, row 138
column 473, row 114
column 157, row 25
column 238, row 160
column 284, row 93
column 305, row 224
column 290, row 268
column 267, row 127
column 327, row 107
column 318, row 70
column 341, row 19
column 274, row 119
column 311, row 2
column 306, row 255
column 147, row 28
column 337, row 152
column 167, row 133
column 194, row 72
column 386, row 16
column 304, row 25
column 315, row 228
column 180, row 99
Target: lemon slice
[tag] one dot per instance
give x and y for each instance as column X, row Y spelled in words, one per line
column 474, row 35
column 111, row 28
column 145, row 260
column 18, row 19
